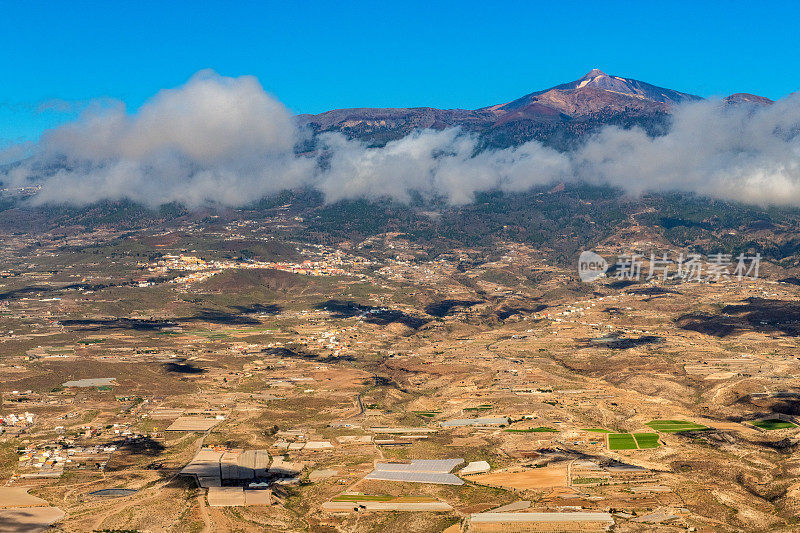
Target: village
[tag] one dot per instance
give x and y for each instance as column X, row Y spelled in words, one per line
column 375, row 380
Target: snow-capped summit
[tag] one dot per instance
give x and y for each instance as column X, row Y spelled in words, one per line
column 594, row 73
column 595, row 92
column 598, row 79
column 556, row 115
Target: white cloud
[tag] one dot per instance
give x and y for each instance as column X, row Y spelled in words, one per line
column 226, row 141
column 215, row 139
column 434, row 163
column 743, row 153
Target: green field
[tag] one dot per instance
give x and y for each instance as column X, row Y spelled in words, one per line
column 621, row 441
column 483, row 407
column 646, row 440
column 773, row 423
column 540, row 429
column 674, row 426
column 598, row 430
column 635, row 441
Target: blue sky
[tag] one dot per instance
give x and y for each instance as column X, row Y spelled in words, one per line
column 316, row 56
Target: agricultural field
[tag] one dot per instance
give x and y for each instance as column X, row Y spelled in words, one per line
column 589, row 480
column 380, row 498
column 773, row 424
column 484, row 407
column 632, row 441
column 333, row 373
column 536, row 478
column 621, row 441
column 646, row 440
column 674, row 426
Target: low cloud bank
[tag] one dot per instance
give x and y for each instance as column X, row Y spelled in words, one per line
column 434, row 163
column 213, row 140
column 219, row 140
column 743, row 153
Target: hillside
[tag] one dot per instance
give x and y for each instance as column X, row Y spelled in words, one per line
column 557, row 116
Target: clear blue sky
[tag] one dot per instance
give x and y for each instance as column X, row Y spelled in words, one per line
column 316, row 56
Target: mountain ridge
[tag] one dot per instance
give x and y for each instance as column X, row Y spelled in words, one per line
column 557, row 116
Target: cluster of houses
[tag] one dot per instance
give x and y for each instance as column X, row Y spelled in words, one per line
column 201, row 269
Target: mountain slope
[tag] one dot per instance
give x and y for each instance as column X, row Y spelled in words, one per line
column 559, row 116
column 747, row 98
column 598, row 79
column 594, row 93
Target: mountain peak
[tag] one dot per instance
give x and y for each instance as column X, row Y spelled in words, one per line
column 597, row 79
column 563, row 110
column 595, row 72
column 747, row 98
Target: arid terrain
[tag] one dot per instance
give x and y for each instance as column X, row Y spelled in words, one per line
column 312, row 377
column 399, row 267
